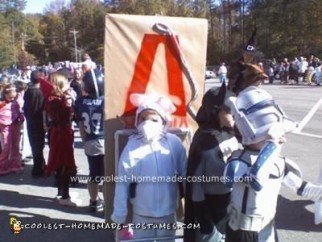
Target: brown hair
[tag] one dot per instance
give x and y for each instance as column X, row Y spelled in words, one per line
column 7, row 89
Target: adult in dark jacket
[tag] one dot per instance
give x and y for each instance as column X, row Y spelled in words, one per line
column 76, row 82
column 207, row 199
column 33, row 111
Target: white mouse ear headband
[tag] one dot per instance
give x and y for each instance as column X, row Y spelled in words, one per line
column 137, row 99
column 163, row 105
column 164, row 102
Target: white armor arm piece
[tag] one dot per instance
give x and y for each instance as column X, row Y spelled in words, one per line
column 293, row 179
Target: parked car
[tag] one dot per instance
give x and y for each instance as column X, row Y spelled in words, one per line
column 210, row 74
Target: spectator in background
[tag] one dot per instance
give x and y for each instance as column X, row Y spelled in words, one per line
column 270, row 74
column 280, row 71
column 100, row 68
column 285, row 76
column 47, row 89
column 25, row 148
column 311, row 60
column 318, row 75
column 45, row 85
column 316, row 62
column 88, row 64
column 24, row 77
column 61, row 153
column 303, row 65
column 11, row 120
column 222, row 72
column 33, row 109
column 274, row 64
column 309, row 74
column 294, row 71
column 76, row 82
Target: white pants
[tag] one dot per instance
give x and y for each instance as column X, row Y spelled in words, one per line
column 25, row 147
column 154, row 233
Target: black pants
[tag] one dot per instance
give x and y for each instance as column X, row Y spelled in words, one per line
column 240, row 235
column 294, row 76
column 211, row 212
column 63, row 181
column 36, row 136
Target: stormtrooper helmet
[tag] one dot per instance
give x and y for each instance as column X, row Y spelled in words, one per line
column 93, row 83
column 256, row 113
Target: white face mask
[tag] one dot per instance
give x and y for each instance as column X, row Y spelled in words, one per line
column 151, row 130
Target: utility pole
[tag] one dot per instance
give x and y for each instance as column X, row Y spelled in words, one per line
column 74, row 32
column 13, row 41
column 23, row 36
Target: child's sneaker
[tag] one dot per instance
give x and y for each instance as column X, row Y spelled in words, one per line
column 96, row 206
column 73, row 195
column 68, row 202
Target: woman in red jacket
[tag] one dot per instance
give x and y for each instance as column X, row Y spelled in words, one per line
column 61, row 154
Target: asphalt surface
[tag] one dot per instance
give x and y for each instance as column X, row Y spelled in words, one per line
column 32, row 200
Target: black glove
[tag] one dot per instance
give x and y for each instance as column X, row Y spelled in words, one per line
column 202, row 216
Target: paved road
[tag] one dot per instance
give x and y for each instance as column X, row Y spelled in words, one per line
column 32, row 199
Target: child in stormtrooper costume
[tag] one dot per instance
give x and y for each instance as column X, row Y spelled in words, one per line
column 152, row 153
column 257, row 172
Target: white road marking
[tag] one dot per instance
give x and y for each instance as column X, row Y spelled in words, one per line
column 309, row 115
column 307, row 134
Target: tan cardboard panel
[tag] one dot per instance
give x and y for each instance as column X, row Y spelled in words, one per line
column 140, row 59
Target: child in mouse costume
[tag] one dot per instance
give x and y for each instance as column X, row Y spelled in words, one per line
column 150, row 153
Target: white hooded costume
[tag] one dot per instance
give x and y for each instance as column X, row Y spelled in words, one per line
column 150, row 158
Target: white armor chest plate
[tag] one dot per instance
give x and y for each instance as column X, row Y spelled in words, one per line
column 261, row 204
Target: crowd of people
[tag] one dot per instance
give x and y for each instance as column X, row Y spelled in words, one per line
column 286, row 71
column 240, row 134
column 48, row 100
column 295, row 71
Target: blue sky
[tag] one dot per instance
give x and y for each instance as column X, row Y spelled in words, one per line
column 36, row 6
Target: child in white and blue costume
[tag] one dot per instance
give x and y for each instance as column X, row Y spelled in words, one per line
column 259, row 168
